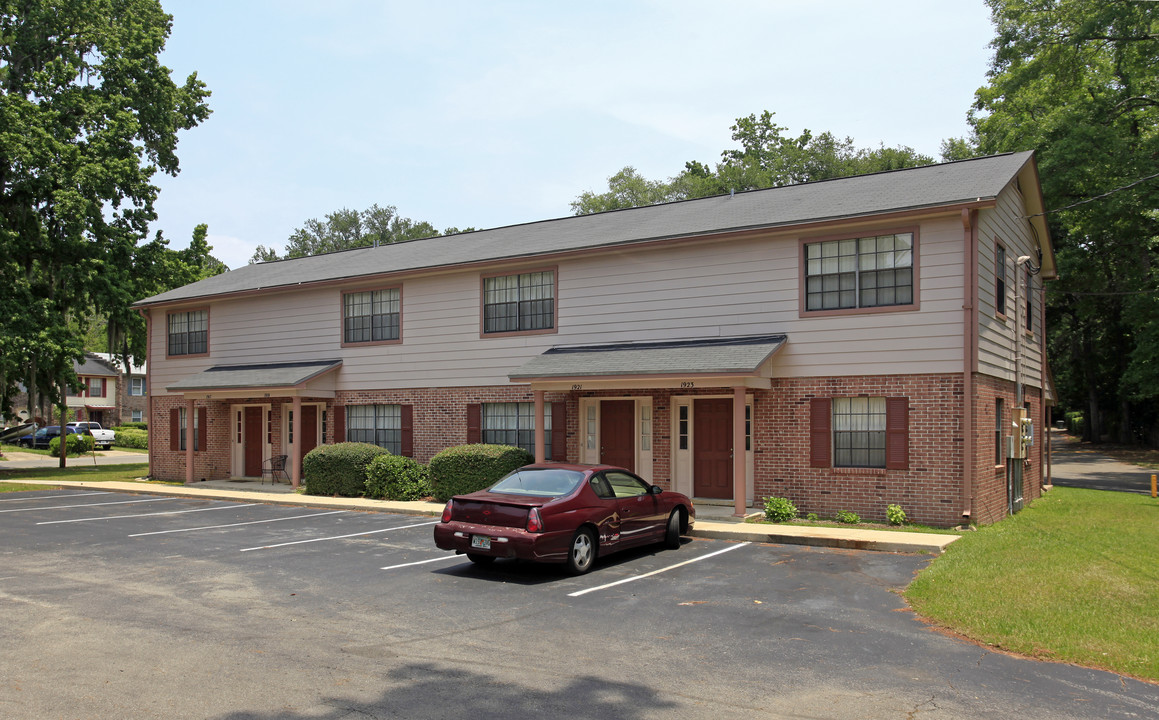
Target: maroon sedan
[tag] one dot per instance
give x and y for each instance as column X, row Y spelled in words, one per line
column 563, row 513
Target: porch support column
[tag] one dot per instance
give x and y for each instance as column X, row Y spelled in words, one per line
column 295, row 456
column 540, row 433
column 739, row 456
column 190, row 420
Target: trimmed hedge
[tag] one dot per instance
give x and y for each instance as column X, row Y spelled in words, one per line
column 394, row 477
column 467, row 468
column 131, row 426
column 339, row 469
column 77, row 445
column 131, row 438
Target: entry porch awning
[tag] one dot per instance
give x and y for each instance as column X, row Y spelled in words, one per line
column 313, row 379
column 709, row 362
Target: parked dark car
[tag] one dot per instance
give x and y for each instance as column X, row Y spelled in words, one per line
column 42, row 437
column 563, row 513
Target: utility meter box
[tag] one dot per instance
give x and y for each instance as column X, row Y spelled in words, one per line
column 1016, row 440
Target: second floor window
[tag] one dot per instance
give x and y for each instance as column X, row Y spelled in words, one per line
column 189, row 332
column 137, row 386
column 96, row 387
column 515, row 303
column 371, row 316
column 875, row 271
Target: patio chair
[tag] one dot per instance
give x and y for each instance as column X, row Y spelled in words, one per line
column 274, row 467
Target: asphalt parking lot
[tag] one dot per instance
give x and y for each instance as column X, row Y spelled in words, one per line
column 121, row 605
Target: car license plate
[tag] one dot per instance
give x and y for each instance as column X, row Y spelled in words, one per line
column 481, row 541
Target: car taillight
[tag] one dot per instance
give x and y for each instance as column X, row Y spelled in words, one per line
column 534, row 524
column 448, row 510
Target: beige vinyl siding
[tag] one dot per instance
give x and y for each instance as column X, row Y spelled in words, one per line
column 995, row 335
column 690, row 290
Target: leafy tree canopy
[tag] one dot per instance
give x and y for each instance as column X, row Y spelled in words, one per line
column 767, row 157
column 87, row 116
column 346, row 229
column 1078, row 82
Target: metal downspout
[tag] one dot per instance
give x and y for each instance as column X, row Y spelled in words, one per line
column 970, row 345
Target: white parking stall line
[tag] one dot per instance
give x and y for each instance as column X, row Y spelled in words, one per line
column 62, row 507
column 422, row 562
column 248, row 522
column 53, row 497
column 661, row 570
column 141, row 515
column 339, row 537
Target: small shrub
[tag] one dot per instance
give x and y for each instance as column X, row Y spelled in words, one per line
column 393, row 477
column 779, row 509
column 466, row 468
column 812, row 517
column 77, row 445
column 848, row 517
column 895, row 515
column 131, row 426
column 131, row 438
column 339, row 469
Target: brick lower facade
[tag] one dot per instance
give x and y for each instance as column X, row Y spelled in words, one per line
column 930, row 489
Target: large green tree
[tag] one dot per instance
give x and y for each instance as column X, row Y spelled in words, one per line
column 766, row 157
column 1078, row 81
column 88, row 116
column 346, row 229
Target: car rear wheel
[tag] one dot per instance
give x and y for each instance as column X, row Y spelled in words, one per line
column 582, row 553
column 480, row 559
column 672, row 534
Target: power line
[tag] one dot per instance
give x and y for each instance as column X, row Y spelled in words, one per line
column 1096, row 197
column 1055, row 291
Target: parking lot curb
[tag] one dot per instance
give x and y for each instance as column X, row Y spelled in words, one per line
column 846, row 538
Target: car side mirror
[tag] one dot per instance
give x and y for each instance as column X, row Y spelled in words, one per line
column 655, row 489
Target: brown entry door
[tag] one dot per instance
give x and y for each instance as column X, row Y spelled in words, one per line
column 253, row 442
column 617, row 433
column 712, row 448
column 309, row 430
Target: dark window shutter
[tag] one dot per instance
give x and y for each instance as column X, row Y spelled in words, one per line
column 339, row 423
column 897, row 433
column 407, row 443
column 474, row 423
column 202, row 430
column 175, row 429
column 820, row 432
column 559, row 431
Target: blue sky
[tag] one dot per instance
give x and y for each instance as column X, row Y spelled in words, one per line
column 484, row 114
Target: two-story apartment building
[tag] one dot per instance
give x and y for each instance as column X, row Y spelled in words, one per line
column 847, row 344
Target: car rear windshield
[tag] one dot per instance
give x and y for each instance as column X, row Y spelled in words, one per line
column 539, row 482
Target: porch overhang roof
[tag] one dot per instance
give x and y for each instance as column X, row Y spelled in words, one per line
column 306, row 378
column 707, row 362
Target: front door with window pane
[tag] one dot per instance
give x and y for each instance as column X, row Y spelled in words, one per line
column 618, row 433
column 712, row 448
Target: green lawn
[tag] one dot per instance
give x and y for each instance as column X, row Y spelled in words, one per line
column 87, row 473
column 1074, row 577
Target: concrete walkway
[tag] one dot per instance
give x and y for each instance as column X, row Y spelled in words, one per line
column 712, row 521
column 1076, row 465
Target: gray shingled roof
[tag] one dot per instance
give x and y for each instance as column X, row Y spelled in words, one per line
column 743, row 355
column 859, row 196
column 224, row 377
column 93, row 366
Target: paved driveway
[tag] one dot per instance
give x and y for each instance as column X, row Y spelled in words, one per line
column 121, row 605
column 1072, row 465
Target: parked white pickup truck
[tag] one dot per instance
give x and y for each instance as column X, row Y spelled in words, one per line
column 102, row 438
